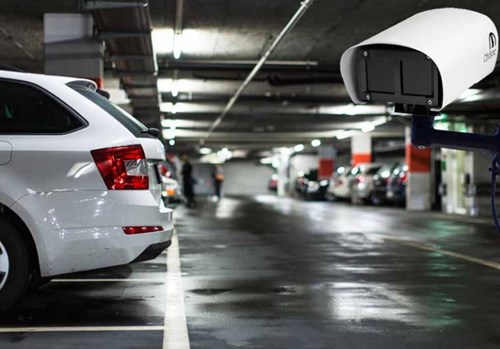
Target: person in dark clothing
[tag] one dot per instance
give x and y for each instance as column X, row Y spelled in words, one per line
column 188, row 181
column 218, row 178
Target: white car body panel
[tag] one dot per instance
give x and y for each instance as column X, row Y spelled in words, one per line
column 53, row 184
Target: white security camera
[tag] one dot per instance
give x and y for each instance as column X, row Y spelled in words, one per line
column 427, row 60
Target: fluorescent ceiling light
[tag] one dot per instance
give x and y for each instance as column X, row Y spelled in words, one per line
column 298, row 147
column 169, row 123
column 266, row 161
column 175, row 88
column 345, row 134
column 351, row 109
column 117, row 96
column 177, row 45
column 368, row 128
column 205, row 151
column 168, row 108
column 162, row 40
column 168, row 133
column 315, row 143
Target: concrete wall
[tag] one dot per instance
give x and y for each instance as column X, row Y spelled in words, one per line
column 246, row 178
column 240, row 178
column 302, row 162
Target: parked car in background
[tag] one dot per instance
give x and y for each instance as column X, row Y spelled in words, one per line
column 339, row 187
column 362, row 185
column 171, row 190
column 94, row 198
column 310, row 187
column 380, row 182
column 396, row 187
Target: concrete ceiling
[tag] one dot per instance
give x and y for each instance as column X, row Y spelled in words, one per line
column 222, row 39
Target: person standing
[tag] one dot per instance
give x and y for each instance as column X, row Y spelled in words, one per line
column 188, row 181
column 218, row 178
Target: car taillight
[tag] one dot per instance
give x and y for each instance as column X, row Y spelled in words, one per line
column 141, row 229
column 122, row 168
column 403, row 178
column 360, row 179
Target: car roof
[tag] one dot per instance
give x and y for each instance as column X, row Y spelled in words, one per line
column 43, row 79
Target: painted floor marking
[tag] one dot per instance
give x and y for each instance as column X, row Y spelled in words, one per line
column 111, row 280
column 80, row 329
column 426, row 247
column 175, row 334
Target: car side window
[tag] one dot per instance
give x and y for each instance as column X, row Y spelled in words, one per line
column 25, row 109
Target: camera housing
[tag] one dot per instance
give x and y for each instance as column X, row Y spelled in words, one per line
column 425, row 62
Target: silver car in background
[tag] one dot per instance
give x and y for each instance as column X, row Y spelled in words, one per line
column 362, row 185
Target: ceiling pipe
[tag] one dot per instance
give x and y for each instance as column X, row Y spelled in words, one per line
column 178, row 29
column 304, row 6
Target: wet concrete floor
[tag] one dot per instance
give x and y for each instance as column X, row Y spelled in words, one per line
column 280, row 273
column 264, row 272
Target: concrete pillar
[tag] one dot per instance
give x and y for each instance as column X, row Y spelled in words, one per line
column 326, row 154
column 69, row 47
column 418, row 187
column 361, row 148
column 283, row 169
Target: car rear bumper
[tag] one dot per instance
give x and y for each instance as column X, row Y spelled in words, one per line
column 83, row 230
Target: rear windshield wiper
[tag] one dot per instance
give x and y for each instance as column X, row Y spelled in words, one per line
column 152, row 131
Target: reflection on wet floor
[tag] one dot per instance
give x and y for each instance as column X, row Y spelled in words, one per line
column 266, row 272
column 320, row 275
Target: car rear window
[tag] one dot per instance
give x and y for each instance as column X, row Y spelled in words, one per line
column 124, row 118
column 312, row 175
column 26, row 109
column 373, row 170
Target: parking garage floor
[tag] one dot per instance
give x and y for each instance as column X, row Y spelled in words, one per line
column 266, row 272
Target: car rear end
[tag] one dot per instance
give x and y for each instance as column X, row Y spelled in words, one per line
column 93, row 196
column 380, row 182
column 339, row 184
column 396, row 187
column 315, row 188
column 362, row 185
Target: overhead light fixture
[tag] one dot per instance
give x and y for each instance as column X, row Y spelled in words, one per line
column 345, row 134
column 162, row 40
column 171, row 142
column 224, row 154
column 168, row 133
column 175, row 88
column 266, row 161
column 315, row 143
column 205, row 151
column 368, row 128
column 177, row 45
column 370, row 125
column 351, row 109
column 298, row 147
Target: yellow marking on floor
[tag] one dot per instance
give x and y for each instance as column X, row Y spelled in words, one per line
column 426, row 247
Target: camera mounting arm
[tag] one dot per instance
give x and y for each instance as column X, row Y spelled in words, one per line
column 423, row 134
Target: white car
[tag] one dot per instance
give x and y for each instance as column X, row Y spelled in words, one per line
column 340, row 184
column 79, row 188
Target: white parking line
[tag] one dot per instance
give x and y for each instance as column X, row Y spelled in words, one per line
column 111, row 280
column 80, row 329
column 175, row 334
